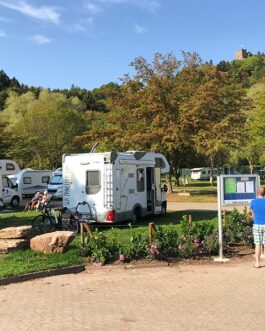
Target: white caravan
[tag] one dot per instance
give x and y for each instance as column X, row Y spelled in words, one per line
column 29, row 181
column 203, row 173
column 117, row 186
column 8, row 192
column 56, row 183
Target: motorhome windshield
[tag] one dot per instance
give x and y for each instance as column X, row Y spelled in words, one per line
column 13, row 179
column 55, row 180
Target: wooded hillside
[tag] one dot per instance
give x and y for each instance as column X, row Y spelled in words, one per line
column 195, row 113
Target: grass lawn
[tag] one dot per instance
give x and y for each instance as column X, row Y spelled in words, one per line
column 25, row 261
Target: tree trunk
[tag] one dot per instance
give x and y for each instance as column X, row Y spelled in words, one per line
column 177, row 176
column 211, row 175
column 251, row 168
column 169, row 181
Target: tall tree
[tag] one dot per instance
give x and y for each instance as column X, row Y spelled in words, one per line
column 45, row 131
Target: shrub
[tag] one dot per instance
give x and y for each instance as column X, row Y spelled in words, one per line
column 138, row 247
column 98, row 248
column 210, row 244
column 166, row 241
column 238, row 228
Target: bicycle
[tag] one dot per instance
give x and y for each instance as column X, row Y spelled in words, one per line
column 67, row 219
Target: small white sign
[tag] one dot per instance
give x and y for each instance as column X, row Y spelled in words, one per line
column 250, row 187
column 240, row 187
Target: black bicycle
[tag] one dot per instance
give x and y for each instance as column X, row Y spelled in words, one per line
column 62, row 219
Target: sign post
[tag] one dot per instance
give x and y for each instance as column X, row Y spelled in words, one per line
column 220, row 258
column 233, row 190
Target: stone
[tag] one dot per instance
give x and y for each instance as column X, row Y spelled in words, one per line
column 54, row 242
column 8, row 245
column 16, row 232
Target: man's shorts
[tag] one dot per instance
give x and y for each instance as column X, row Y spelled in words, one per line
column 259, row 234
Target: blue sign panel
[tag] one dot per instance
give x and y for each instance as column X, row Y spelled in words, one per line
column 238, row 189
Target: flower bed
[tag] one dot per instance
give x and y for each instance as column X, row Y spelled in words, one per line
column 189, row 240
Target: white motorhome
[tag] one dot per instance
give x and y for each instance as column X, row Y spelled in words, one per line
column 203, row 173
column 29, row 181
column 8, row 192
column 55, row 182
column 117, row 186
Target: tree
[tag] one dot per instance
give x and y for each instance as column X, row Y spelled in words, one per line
column 216, row 115
column 46, row 130
column 256, row 121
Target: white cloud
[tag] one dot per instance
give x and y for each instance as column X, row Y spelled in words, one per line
column 82, row 26
column 2, row 34
column 139, row 29
column 93, row 8
column 40, row 39
column 150, row 5
column 43, row 13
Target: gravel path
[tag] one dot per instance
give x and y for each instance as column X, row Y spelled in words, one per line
column 185, row 297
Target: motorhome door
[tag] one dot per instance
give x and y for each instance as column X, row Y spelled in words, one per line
column 158, row 193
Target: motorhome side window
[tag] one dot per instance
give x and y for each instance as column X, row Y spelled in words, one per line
column 140, row 180
column 93, row 184
column 160, row 163
column 10, row 166
column 45, row 179
column 6, row 182
column 27, row 180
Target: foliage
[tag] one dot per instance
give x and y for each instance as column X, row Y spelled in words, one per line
column 52, row 122
column 98, row 247
column 197, row 239
column 238, row 228
column 166, row 241
column 138, row 247
column 26, row 261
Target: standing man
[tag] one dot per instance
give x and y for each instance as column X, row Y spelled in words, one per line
column 257, row 207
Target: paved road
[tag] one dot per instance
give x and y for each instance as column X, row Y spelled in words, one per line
column 212, row 297
column 197, row 206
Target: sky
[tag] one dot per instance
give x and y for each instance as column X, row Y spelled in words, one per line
column 88, row 43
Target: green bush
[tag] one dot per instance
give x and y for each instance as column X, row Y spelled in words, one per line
column 238, row 228
column 98, row 248
column 165, row 241
column 138, row 247
column 195, row 240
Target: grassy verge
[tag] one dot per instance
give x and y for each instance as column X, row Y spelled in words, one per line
column 26, row 261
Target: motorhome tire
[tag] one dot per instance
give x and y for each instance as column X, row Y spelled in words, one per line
column 136, row 215
column 15, row 201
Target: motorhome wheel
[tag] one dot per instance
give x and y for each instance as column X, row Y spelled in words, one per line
column 15, row 201
column 136, row 215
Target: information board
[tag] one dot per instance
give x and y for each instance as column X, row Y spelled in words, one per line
column 238, row 189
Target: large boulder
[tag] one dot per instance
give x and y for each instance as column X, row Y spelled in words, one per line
column 16, row 232
column 54, row 242
column 8, row 245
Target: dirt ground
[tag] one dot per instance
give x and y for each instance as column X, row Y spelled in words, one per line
column 209, row 296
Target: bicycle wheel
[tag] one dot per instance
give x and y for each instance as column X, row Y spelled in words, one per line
column 36, row 223
column 47, row 224
column 73, row 225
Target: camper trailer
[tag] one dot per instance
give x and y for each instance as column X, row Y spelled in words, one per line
column 117, row 186
column 8, row 191
column 203, row 173
column 29, row 181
